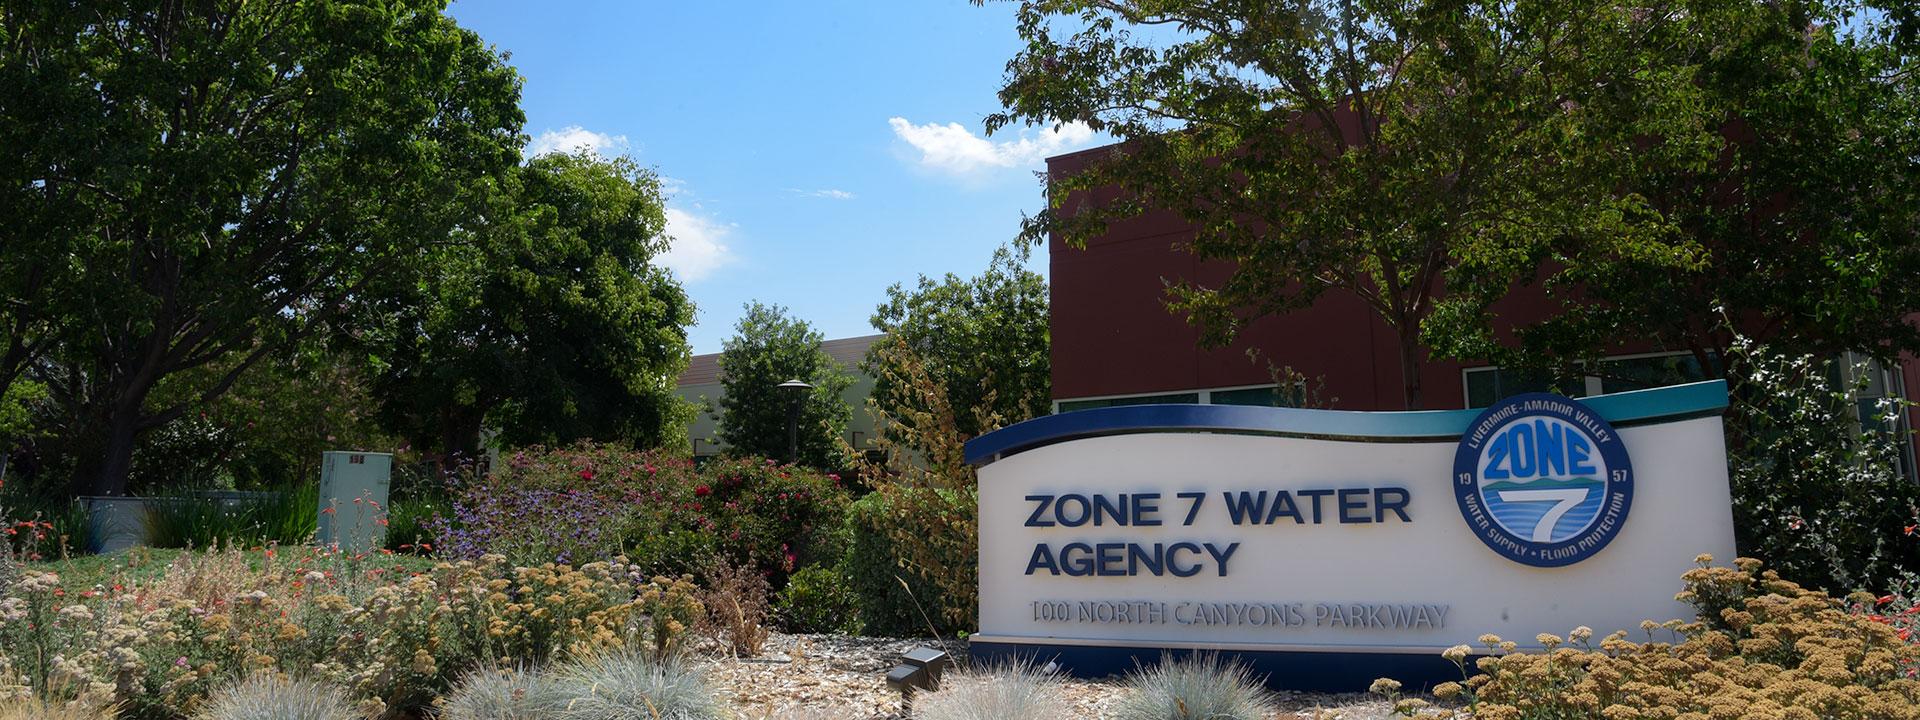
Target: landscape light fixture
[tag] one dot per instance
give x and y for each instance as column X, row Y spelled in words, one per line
column 798, row 390
column 919, row 669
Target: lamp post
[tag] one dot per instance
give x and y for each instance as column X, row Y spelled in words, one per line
column 797, row 390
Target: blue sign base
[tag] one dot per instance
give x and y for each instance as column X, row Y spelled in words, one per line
column 1303, row 670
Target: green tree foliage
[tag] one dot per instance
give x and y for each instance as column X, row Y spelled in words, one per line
column 1805, row 226
column 210, row 183
column 770, row 347
column 551, row 323
column 269, row 431
column 1372, row 148
column 983, row 339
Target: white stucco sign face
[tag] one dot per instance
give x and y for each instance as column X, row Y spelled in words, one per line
column 1308, row 540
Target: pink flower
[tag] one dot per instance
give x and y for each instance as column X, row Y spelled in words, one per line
column 702, row 491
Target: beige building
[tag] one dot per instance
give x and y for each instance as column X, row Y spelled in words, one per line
column 701, row 383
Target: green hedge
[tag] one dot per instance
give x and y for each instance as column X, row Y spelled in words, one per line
column 874, row 578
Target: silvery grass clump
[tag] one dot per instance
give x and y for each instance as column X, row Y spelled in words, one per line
column 503, row 694
column 268, row 697
column 1015, row 691
column 630, row 685
column 1200, row 686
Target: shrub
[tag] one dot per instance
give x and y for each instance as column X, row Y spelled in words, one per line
column 1816, row 496
column 392, row 639
column 736, row 602
column 1006, row 692
column 558, row 505
column 1762, row 648
column 897, row 596
column 885, row 593
column 267, row 697
column 772, row 517
column 408, row 522
column 1199, row 686
column 671, row 606
column 634, row 686
column 511, row 694
column 817, row 600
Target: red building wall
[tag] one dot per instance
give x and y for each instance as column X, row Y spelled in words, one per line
column 1113, row 334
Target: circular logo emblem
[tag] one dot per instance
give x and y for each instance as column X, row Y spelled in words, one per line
column 1543, row 480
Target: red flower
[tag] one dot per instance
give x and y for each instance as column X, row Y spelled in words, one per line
column 702, row 491
column 586, row 474
column 1884, row 599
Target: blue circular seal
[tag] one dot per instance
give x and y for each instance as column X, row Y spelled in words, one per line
column 1543, row 480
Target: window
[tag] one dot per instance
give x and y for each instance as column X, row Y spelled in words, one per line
column 1871, row 384
column 1263, row 396
column 1266, row 396
column 1168, row 399
column 1651, row 371
column 1258, row 395
column 1488, row 385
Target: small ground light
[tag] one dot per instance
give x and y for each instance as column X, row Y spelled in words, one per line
column 920, row 669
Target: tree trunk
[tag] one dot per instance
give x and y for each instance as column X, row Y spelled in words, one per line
column 459, row 436
column 106, row 472
column 1410, row 366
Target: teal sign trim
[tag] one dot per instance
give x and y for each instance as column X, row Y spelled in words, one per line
column 1628, row 408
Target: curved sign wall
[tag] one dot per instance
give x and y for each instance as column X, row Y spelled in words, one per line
column 1328, row 548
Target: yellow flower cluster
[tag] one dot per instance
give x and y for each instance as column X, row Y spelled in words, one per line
column 394, row 639
column 1764, row 649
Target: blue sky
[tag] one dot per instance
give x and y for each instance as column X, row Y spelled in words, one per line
column 816, row 152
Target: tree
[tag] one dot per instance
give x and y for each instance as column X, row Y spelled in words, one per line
column 1378, row 148
column 1806, row 225
column 213, row 182
column 552, row 324
column 983, row 339
column 770, row 347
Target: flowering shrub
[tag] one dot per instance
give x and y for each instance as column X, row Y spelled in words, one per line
column 765, row 515
column 564, row 504
column 391, row 640
column 1762, row 648
column 1817, row 491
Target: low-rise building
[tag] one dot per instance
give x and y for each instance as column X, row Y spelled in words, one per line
column 700, row 384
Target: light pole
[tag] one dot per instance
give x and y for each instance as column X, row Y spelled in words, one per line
column 797, row 390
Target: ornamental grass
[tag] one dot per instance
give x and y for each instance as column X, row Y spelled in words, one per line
column 1003, row 692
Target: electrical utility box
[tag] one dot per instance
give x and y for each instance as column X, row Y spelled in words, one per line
column 353, row 500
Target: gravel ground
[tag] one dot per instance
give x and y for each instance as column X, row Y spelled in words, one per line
column 835, row 677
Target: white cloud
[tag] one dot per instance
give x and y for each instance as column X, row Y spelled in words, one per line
column 955, row 149
column 672, row 186
column 697, row 245
column 829, row 193
column 573, row 138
